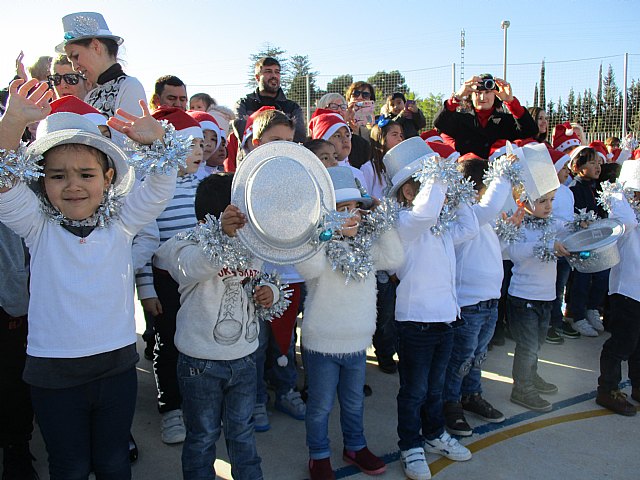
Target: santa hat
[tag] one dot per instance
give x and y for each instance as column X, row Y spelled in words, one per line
column 282, row 327
column 431, row 136
column 325, row 123
column 469, row 156
column 207, row 122
column 521, row 142
column 185, row 125
column 636, row 154
column 442, row 149
column 72, row 104
column 498, row 149
column 560, row 159
column 564, row 137
column 601, row 150
column 248, row 128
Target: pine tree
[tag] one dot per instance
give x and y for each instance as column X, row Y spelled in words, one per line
column 297, row 91
column 535, row 96
column 571, row 105
column 543, row 95
column 611, row 106
column 599, row 115
column 269, row 50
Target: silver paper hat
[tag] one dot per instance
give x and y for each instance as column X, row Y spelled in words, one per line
column 630, row 175
column 403, row 160
column 347, row 187
column 81, row 25
column 595, row 248
column 284, row 190
column 67, row 128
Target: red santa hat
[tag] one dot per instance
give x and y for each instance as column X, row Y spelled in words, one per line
column 521, row 142
column 601, row 150
column 248, row 128
column 72, row 104
column 635, row 155
column 431, row 136
column 283, row 326
column 469, row 156
column 498, row 149
column 185, row 125
column 325, row 123
column 560, row 159
column 207, row 122
column 564, row 137
column 442, row 149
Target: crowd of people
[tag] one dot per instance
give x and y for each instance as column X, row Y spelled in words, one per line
column 441, row 250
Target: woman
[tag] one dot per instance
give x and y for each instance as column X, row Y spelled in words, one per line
column 540, row 117
column 356, row 93
column 65, row 81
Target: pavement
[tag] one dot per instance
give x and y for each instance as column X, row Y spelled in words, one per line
column 576, row 440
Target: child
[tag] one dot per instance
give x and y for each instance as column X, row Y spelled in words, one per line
column 624, row 343
column 217, row 341
column 426, row 304
column 81, row 352
column 324, row 150
column 385, row 135
column 201, row 102
column 407, row 115
column 213, row 137
column 336, row 332
column 178, row 216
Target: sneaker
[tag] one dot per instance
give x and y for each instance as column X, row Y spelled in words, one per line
column 567, row 331
column 553, row 337
column 260, row 418
column 584, row 328
column 532, row 401
column 454, row 419
column 291, row 403
column 483, row 409
column 447, row 446
column 616, row 401
column 321, row 469
column 544, row 387
column 365, row 461
column 387, row 365
column 173, row 430
column 593, row 317
column 414, row 464
column 635, row 393
column 18, row 463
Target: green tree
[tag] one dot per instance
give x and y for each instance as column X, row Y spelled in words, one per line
column 430, row 106
column 340, row 84
column 612, row 108
column 297, row 91
column 535, row 96
column 387, row 83
column 543, row 94
column 269, row 50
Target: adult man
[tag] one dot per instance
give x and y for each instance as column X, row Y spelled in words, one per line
column 169, row 91
column 269, row 93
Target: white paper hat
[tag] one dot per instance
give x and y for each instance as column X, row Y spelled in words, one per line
column 630, row 174
column 347, row 187
column 80, row 25
column 284, row 190
column 403, row 160
column 537, row 170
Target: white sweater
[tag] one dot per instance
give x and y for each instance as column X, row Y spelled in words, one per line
column 623, row 278
column 82, row 293
column 427, row 289
column 340, row 319
column 479, row 260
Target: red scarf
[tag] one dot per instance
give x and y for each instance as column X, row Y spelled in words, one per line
column 483, row 116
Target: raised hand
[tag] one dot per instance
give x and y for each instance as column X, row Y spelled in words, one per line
column 504, row 90
column 144, row 129
column 20, row 70
column 232, row 219
column 22, row 109
column 468, row 87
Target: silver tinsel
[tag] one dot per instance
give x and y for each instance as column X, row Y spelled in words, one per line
column 543, row 250
column 381, row 218
column 218, row 247
column 583, row 260
column 609, row 189
column 508, row 232
column 331, row 222
column 161, row 156
column 278, row 308
column 17, row 165
column 501, row 167
column 459, row 189
column 629, row 143
column 580, row 217
column 108, row 211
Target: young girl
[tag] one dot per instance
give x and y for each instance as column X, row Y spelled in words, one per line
column 324, row 150
column 201, row 102
column 385, row 135
column 337, row 331
column 81, row 351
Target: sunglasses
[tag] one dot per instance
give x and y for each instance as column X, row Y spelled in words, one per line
column 360, row 93
column 69, row 79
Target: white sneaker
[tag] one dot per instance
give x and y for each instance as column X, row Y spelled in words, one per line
column 585, row 328
column 173, row 430
column 593, row 317
column 447, row 446
column 414, row 464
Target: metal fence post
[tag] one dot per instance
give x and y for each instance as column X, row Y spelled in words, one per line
column 453, row 77
column 624, row 95
column 308, row 83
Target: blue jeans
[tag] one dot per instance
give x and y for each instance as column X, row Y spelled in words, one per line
column 86, row 428
column 563, row 271
column 424, row 350
column 216, row 392
column 529, row 322
column 384, row 339
column 327, row 374
column 587, row 292
column 470, row 345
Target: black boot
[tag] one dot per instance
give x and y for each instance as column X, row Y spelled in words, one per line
column 18, row 463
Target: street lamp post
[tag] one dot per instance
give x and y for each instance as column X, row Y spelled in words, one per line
column 505, row 25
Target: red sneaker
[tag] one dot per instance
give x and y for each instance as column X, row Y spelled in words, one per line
column 321, row 469
column 365, row 461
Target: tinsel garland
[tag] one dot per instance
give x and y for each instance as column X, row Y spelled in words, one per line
column 542, row 250
column 609, row 189
column 503, row 167
column 17, row 165
column 459, row 189
column 507, row 231
column 579, row 218
column 161, row 156
column 218, row 247
column 278, row 308
column 629, row 143
column 108, row 211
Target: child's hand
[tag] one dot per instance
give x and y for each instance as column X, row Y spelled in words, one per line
column 560, row 250
column 152, row 305
column 20, row 70
column 263, row 296
column 516, row 218
column 144, row 129
column 232, row 219
column 23, row 107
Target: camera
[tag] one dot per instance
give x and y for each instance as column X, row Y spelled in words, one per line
column 487, row 84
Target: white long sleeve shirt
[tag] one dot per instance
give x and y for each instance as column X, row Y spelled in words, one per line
column 563, row 204
column 374, row 185
column 623, row 278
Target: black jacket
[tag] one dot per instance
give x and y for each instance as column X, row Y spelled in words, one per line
column 584, row 196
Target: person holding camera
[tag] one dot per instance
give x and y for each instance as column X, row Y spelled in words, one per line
column 476, row 128
column 406, row 113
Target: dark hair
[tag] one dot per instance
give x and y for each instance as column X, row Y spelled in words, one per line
column 270, row 118
column 213, row 194
column 205, row 97
column 358, row 86
column 474, row 169
column 584, row 156
column 535, row 113
column 402, row 200
column 609, row 172
column 612, row 142
column 315, row 144
column 110, row 44
column 395, row 95
column 265, row 62
column 167, row 80
column 377, row 139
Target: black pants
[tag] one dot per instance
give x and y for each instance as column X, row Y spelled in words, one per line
column 16, row 414
column 623, row 345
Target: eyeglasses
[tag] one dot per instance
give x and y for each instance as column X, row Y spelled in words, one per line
column 69, row 79
column 359, row 93
column 337, row 106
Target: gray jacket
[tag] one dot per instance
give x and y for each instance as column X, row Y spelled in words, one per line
column 14, row 280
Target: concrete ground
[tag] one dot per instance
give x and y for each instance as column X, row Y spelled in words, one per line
column 577, row 440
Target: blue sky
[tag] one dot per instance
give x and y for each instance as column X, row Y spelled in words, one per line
column 207, row 43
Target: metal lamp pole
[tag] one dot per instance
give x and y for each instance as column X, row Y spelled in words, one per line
column 505, row 25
